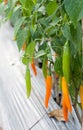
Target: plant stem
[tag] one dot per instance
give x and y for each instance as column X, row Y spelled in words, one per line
column 77, row 113
column 75, row 107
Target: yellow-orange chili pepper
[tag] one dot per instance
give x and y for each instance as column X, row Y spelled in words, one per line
column 66, row 94
column 81, row 95
column 33, row 67
column 48, row 89
column 65, row 110
column 65, row 99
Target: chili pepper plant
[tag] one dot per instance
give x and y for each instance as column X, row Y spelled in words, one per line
column 50, row 30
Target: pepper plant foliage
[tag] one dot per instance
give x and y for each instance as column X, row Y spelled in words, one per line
column 48, row 24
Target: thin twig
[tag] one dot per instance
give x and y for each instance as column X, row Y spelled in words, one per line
column 77, row 113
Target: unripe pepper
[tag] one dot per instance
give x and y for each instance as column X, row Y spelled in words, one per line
column 28, row 82
column 66, row 62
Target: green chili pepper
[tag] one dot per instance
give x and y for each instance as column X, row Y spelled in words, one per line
column 44, row 67
column 28, row 82
column 66, row 62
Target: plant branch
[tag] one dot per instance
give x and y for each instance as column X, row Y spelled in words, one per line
column 77, row 113
column 75, row 102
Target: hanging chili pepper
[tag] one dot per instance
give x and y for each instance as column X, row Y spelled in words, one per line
column 44, row 67
column 48, row 89
column 33, row 67
column 65, row 99
column 66, row 62
column 5, row 2
column 66, row 94
column 81, row 95
column 28, row 82
column 65, row 110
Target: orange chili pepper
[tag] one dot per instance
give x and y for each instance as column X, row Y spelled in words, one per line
column 65, row 99
column 24, row 47
column 33, row 67
column 5, row 2
column 48, row 89
column 65, row 110
column 81, row 95
column 66, row 94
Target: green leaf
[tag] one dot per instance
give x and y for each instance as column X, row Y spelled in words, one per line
column 24, row 60
column 57, row 44
column 42, row 9
column 27, row 58
column 1, row 8
column 30, row 49
column 76, row 35
column 51, row 7
column 15, row 15
column 22, row 2
column 0, row 1
column 74, row 9
column 80, row 15
column 18, row 25
column 40, row 53
column 29, row 4
column 58, row 66
column 28, row 82
column 21, row 38
column 66, row 32
column 43, row 46
column 49, row 56
column 34, row 1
